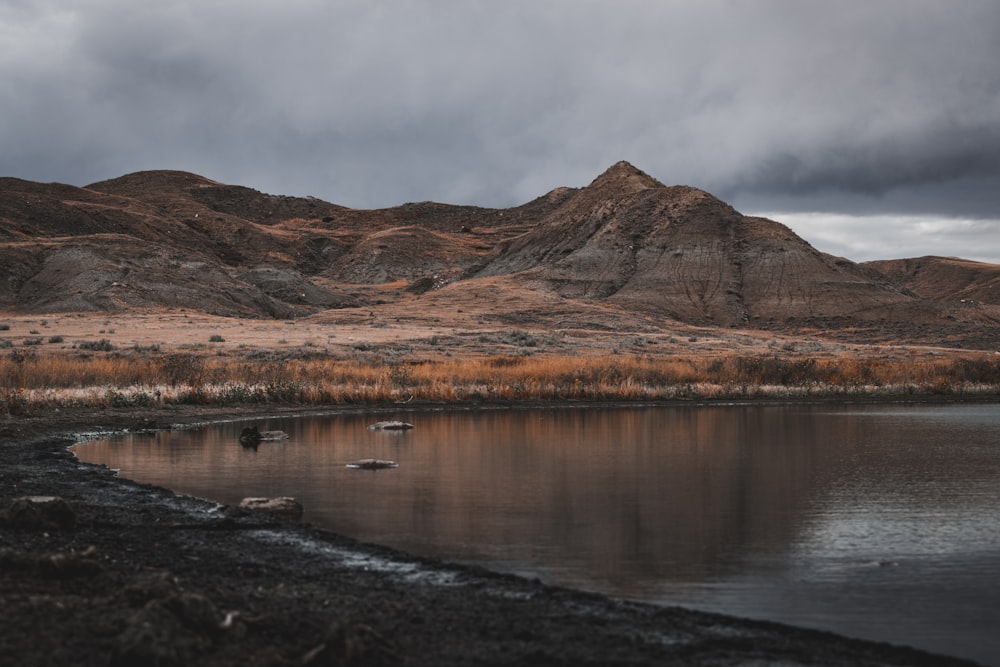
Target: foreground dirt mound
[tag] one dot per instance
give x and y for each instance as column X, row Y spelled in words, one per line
column 643, row 252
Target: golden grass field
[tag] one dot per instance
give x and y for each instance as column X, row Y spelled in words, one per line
column 146, row 359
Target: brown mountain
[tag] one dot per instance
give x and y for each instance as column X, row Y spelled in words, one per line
column 946, row 278
column 626, row 252
column 680, row 252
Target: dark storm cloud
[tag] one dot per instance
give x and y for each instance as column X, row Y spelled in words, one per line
column 776, row 105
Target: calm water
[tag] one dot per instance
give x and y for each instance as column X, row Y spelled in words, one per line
column 875, row 522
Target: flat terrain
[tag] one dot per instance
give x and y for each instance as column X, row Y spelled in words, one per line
column 412, row 335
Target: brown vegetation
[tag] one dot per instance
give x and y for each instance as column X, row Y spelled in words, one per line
column 33, row 381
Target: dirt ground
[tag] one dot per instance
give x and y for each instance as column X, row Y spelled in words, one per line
column 105, row 571
column 363, row 334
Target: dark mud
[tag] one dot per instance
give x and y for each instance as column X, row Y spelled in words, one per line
column 118, row 573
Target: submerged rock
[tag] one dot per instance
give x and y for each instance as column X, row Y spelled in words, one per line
column 252, row 436
column 372, row 464
column 390, row 426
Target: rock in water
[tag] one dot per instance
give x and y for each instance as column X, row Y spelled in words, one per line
column 390, row 426
column 250, row 436
column 372, row 464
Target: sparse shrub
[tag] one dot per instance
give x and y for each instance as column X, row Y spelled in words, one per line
column 55, row 339
column 983, row 371
column 136, row 399
column 523, row 338
column 102, row 345
column 4, row 327
column 240, row 394
column 216, row 338
column 182, row 369
column 194, row 396
column 504, row 361
column 776, row 371
column 282, row 391
column 401, row 376
column 21, row 357
column 513, row 337
column 259, row 355
column 33, row 341
column 34, row 332
column 13, row 401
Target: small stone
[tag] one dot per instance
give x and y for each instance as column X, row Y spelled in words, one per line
column 390, row 426
column 373, row 464
column 283, row 505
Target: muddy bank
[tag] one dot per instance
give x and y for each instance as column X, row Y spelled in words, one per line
column 127, row 574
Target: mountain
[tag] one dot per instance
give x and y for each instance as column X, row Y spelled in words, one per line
column 624, row 252
column 679, row 251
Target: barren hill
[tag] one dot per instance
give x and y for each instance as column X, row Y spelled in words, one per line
column 948, row 278
column 680, row 252
column 624, row 252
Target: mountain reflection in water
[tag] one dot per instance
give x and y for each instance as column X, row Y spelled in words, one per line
column 853, row 519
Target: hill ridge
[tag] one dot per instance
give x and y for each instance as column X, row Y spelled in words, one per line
column 624, row 247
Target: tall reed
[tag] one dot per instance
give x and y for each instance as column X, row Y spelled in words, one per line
column 36, row 381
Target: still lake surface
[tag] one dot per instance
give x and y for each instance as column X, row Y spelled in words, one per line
column 879, row 522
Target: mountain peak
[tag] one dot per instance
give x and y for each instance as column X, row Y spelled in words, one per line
column 157, row 180
column 624, row 175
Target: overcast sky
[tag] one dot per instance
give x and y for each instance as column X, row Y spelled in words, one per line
column 872, row 128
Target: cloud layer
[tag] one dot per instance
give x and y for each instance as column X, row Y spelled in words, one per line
column 888, row 108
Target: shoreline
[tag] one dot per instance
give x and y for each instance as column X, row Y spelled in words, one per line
column 143, row 574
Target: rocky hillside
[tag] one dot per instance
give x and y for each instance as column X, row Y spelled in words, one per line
column 946, row 278
column 682, row 253
column 626, row 251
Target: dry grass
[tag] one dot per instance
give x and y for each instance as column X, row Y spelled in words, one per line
column 32, row 380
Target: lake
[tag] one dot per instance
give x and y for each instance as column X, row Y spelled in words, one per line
column 878, row 522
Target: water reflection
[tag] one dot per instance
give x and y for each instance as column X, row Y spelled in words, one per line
column 820, row 516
